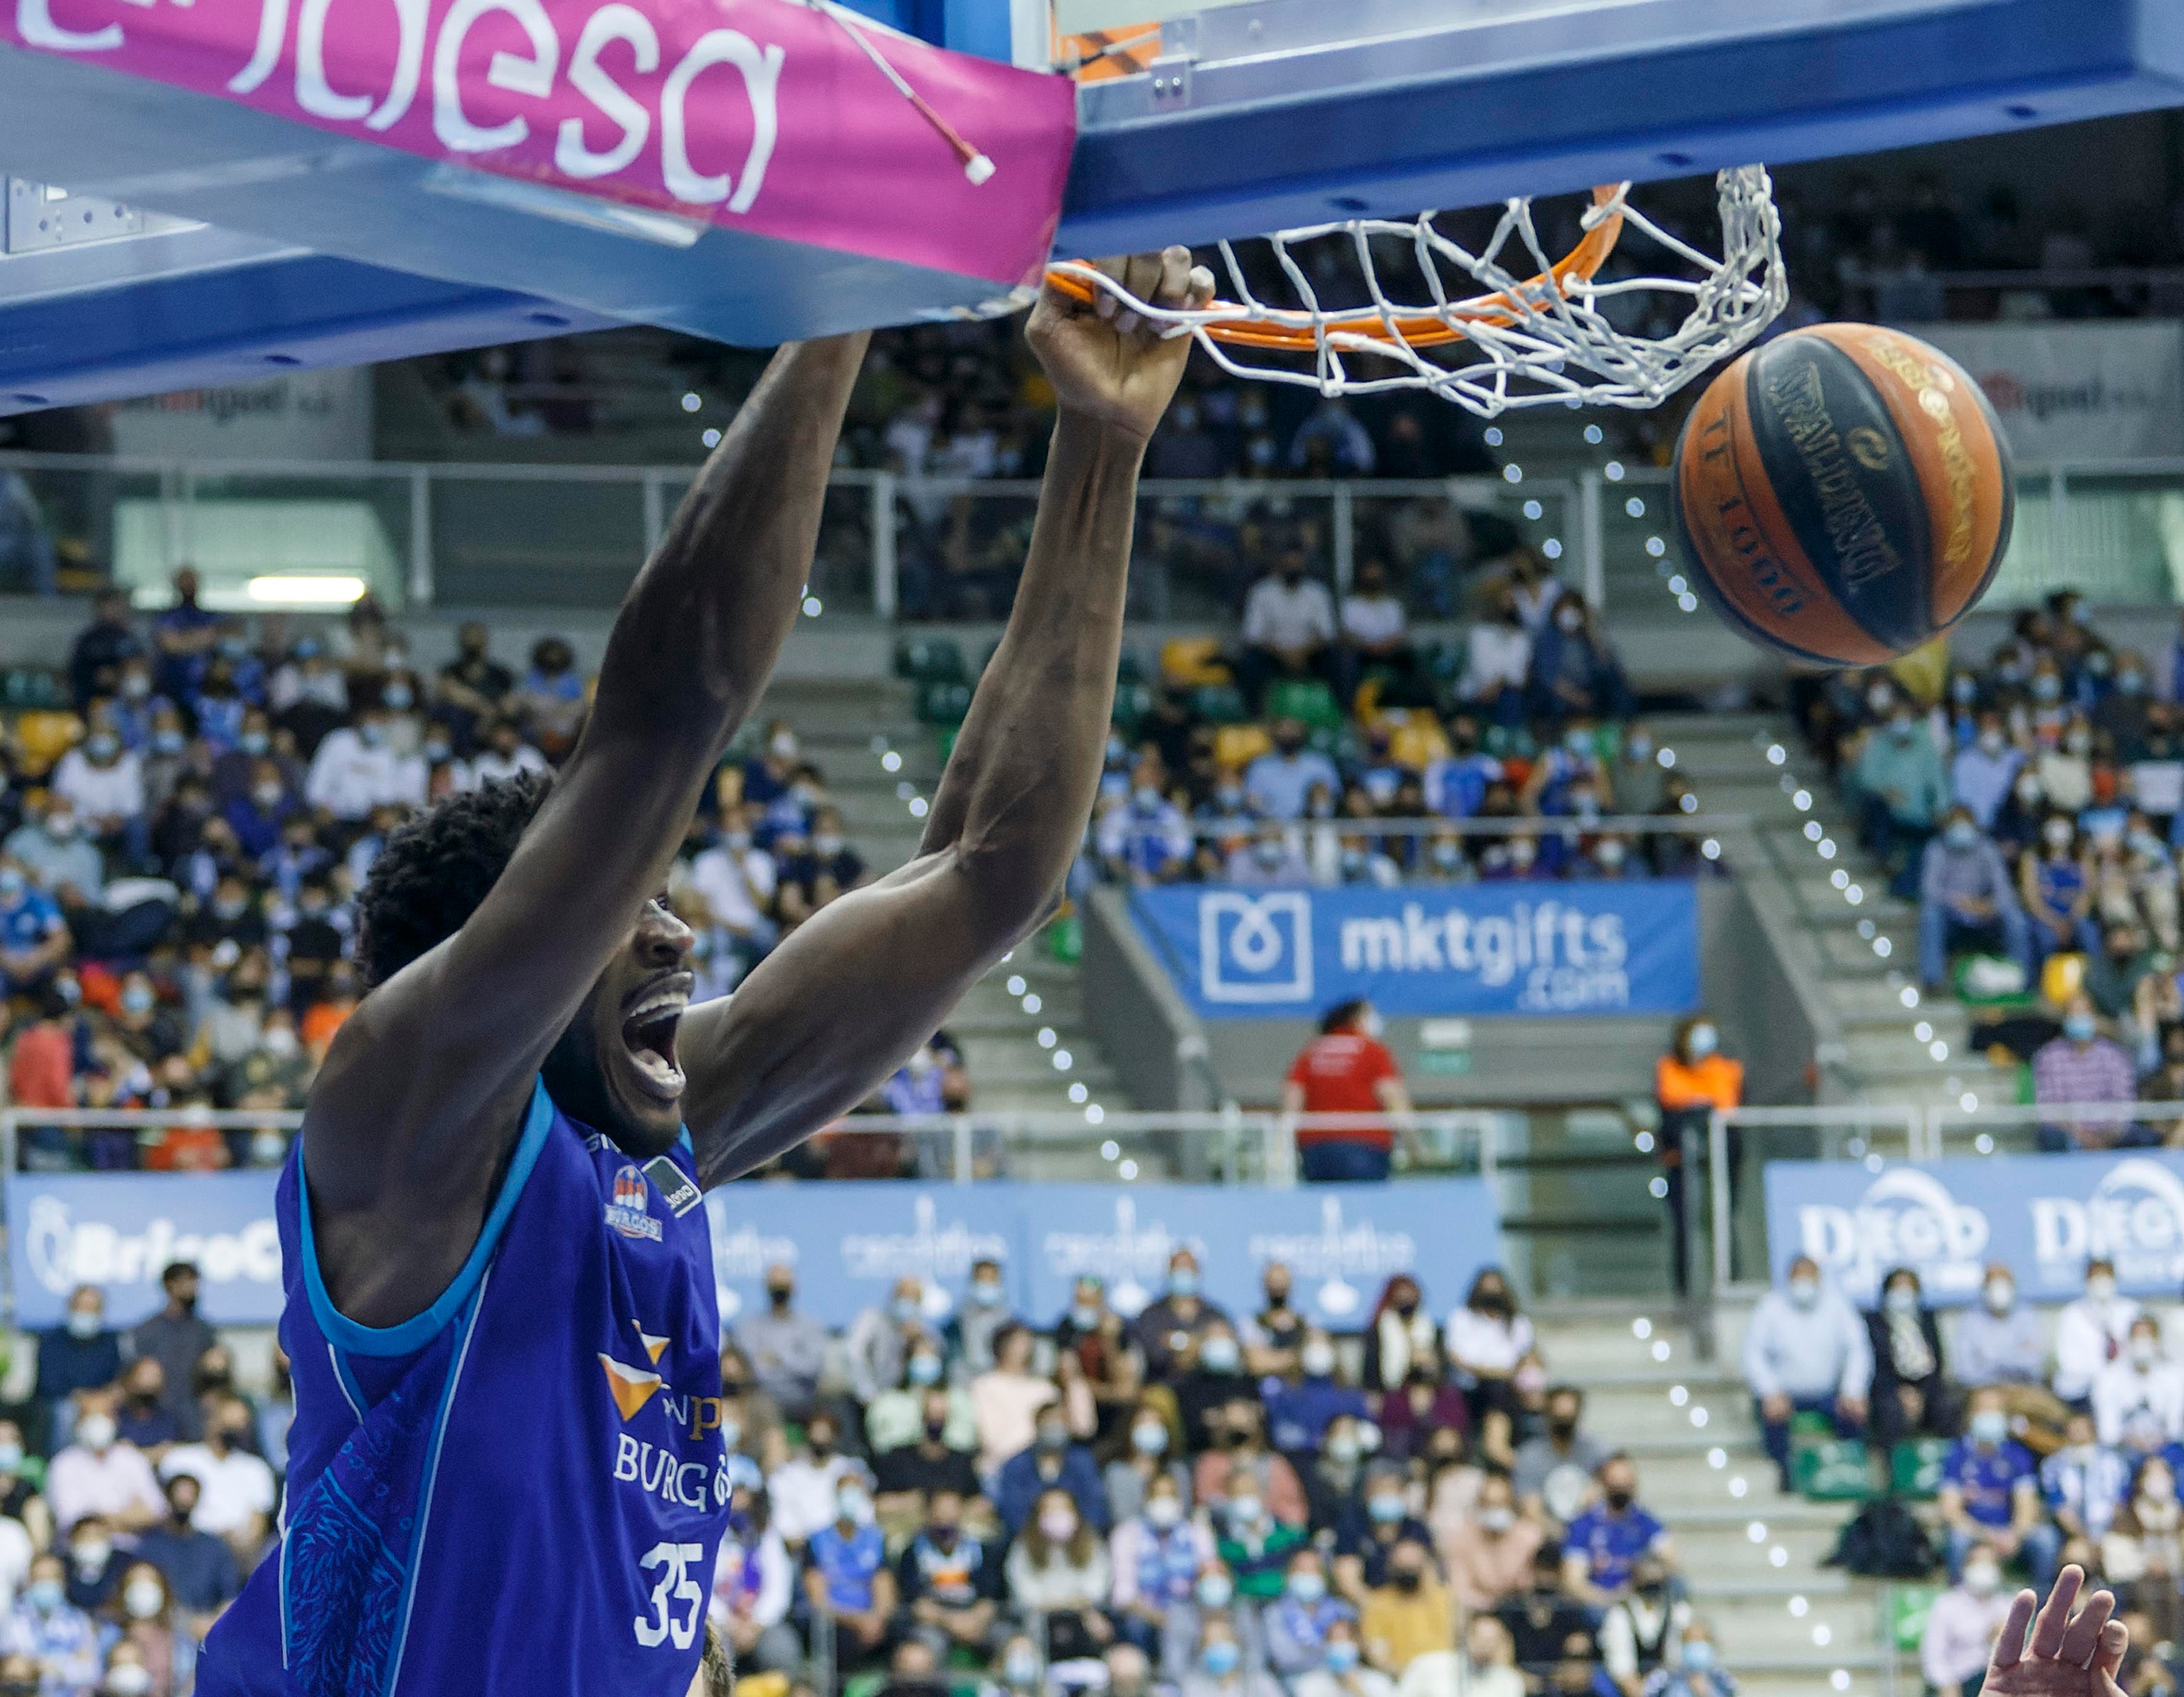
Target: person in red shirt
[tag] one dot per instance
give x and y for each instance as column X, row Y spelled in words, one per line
column 1346, row 1069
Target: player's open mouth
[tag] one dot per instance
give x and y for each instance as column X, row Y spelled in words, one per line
column 648, row 1032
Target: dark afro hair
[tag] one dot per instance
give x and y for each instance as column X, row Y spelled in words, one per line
column 436, row 869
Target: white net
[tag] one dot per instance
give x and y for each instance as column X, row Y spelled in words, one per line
column 1570, row 333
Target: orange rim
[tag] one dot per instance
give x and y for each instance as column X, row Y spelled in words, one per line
column 1496, row 310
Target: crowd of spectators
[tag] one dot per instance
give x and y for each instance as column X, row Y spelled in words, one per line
column 2032, row 803
column 181, row 848
column 1281, row 758
column 139, row 1484
column 1184, row 1500
column 2063, row 1443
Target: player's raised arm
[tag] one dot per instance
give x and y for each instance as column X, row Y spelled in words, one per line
column 425, row 1087
column 855, row 990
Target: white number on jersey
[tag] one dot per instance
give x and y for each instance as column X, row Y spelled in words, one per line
column 674, row 1561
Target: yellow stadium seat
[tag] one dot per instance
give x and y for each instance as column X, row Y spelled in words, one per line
column 43, row 737
column 2061, row 976
column 1189, row 662
column 1418, row 742
column 1236, row 746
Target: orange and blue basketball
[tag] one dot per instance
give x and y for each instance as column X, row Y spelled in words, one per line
column 1843, row 494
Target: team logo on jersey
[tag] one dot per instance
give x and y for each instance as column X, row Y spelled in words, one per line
column 629, row 1210
column 633, row 1386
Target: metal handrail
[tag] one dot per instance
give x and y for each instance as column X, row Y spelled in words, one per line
column 1521, row 825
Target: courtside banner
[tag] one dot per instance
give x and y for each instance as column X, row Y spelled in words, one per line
column 1594, row 947
column 2042, row 1215
column 849, row 1241
column 118, row 1230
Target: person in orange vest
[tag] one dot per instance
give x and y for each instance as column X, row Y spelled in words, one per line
column 1689, row 1081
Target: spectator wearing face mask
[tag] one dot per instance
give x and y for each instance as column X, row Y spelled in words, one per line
column 1607, row 1541
column 2138, row 1398
column 1409, row 1614
column 2002, row 1344
column 1155, row 1557
column 1279, row 783
column 550, row 701
column 2084, row 1481
column 880, row 1339
column 1963, row 1624
column 1487, row 1554
column 1414, row 1414
column 1053, row 1460
column 1911, row 1394
column 1273, row 857
column 33, row 937
column 1366, row 1540
column 94, row 1568
column 200, row 1568
column 787, row 1348
column 1806, row 1350
column 157, row 1654
column 1554, row 1472
column 2081, row 1068
column 1298, row 1623
column 1692, row 1080
column 1644, row 1630
column 1288, row 628
column 1169, row 1327
column 2056, row 894
column 1985, row 770
column 948, row 1580
column 1991, row 1495
column 1149, row 1447
column 2091, row 1331
column 1483, row 1340
column 1966, row 899
column 1400, row 1334
column 847, row 1580
column 1299, row 1411
column 1342, row 1670
column 1254, row 1545
column 82, row 1354
column 1346, row 1069
column 1696, row 1671
column 1574, row 673
column 1239, row 1462
column 104, row 782
column 53, row 849
column 357, row 769
column 1217, row 1669
column 896, row 1416
column 2142, row 1554
column 235, row 1490
column 803, row 1488
column 98, row 1475
column 1145, row 838
column 177, row 1337
column 1899, row 783
column 61, row 1638
column 1007, row 1400
column 1058, row 1571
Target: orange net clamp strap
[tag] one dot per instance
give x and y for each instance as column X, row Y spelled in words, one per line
column 1239, row 327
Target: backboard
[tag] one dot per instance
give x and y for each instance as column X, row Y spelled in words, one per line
column 290, row 237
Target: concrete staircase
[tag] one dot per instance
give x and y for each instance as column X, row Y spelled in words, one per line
column 1889, row 1042
column 850, row 727
column 1788, row 1626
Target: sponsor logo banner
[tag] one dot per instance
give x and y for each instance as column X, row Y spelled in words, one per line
column 1626, row 947
column 2077, row 391
column 849, row 1241
column 2042, row 1216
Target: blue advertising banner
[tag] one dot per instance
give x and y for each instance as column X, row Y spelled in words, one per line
column 118, row 1230
column 1590, row 946
column 2040, row 1214
column 848, row 1241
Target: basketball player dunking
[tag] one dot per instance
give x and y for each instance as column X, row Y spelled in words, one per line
column 506, row 1478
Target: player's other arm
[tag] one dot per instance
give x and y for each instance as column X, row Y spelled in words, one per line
column 855, row 990
column 426, row 1084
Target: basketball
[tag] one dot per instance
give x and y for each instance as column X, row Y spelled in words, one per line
column 1843, row 494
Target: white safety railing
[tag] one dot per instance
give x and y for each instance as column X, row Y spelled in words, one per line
column 474, row 534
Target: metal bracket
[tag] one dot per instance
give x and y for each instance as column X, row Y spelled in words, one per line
column 39, row 216
column 1171, row 71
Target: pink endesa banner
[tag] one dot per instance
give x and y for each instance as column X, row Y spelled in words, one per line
column 762, row 115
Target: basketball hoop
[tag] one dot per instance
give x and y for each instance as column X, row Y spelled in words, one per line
column 1547, row 339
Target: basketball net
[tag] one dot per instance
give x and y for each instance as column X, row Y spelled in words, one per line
column 1547, row 338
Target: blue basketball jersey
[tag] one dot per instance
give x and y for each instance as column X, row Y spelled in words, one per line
column 522, row 1491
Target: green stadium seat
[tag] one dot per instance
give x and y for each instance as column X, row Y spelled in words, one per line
column 1133, row 705
column 1908, row 1607
column 1065, row 940
column 1219, row 703
column 941, row 701
column 943, row 741
column 1914, row 1467
column 1130, row 668
column 929, row 659
column 1833, row 1469
column 1304, row 698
